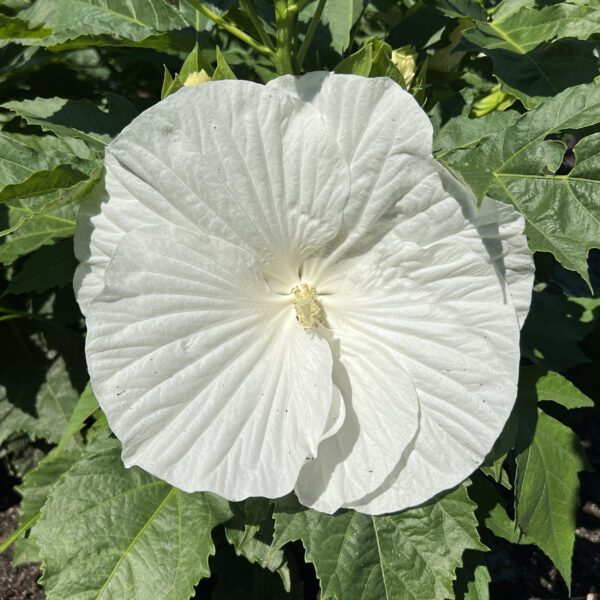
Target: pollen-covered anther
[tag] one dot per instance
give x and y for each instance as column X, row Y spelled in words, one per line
column 309, row 311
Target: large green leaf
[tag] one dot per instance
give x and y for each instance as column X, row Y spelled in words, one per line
column 34, row 222
column 113, row 21
column 50, row 267
column 519, row 165
column 545, row 71
column 109, row 532
column 549, row 458
column 76, row 118
column 524, row 29
column 28, row 161
column 410, row 555
column 86, row 406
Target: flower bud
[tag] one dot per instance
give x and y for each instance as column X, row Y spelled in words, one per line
column 405, row 61
column 196, row 77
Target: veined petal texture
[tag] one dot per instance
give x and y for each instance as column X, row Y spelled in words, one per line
column 202, row 374
column 284, row 290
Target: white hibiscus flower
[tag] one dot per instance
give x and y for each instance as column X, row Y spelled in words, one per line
column 284, row 291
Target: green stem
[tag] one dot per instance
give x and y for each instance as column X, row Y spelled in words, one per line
column 232, row 29
column 256, row 22
column 285, row 22
column 310, row 33
column 11, row 313
column 301, row 5
column 19, row 532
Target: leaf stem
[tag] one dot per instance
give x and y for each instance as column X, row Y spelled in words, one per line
column 310, row 33
column 232, row 29
column 19, row 532
column 257, row 23
column 300, row 5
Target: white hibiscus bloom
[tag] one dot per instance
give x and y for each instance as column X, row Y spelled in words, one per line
column 283, row 290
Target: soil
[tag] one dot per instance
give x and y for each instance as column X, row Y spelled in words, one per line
column 16, row 583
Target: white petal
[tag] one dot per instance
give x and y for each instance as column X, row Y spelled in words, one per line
column 242, row 162
column 381, row 421
column 495, row 231
column 385, row 137
column 443, row 312
column 203, row 373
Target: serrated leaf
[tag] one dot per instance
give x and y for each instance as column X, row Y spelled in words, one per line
column 473, row 578
column 23, row 158
column 35, row 222
column 76, row 118
column 85, row 408
column 464, row 131
column 410, row 555
column 106, row 531
column 549, row 458
column 49, row 267
column 519, row 165
column 553, row 386
column 113, row 21
column 250, row 530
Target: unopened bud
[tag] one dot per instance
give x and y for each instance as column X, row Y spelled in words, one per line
column 406, row 62
column 196, row 77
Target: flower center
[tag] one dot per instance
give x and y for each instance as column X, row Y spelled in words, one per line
column 307, row 306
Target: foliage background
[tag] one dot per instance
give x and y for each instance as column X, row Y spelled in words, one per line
column 511, row 90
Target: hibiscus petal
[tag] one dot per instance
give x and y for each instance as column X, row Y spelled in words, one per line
column 444, row 313
column 381, row 130
column 203, row 373
column 384, row 136
column 233, row 159
column 382, row 416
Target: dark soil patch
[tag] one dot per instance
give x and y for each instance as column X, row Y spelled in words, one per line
column 16, row 583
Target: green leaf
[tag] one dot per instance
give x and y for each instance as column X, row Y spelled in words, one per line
column 35, row 222
column 106, row 531
column 238, row 578
column 339, row 16
column 549, row 458
column 464, row 131
column 85, row 408
column 76, row 118
column 518, row 165
column 522, row 30
column 473, row 579
column 250, row 531
column 17, row 30
column 115, row 22
column 413, row 554
column 374, row 59
column 50, row 267
column 552, row 386
column 35, row 489
column 222, row 71
column 545, row 71
column 25, row 160
column 54, row 404
column 556, row 347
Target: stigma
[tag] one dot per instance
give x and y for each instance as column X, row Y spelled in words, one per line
column 309, row 311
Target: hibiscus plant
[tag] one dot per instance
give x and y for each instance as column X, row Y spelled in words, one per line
column 298, row 296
